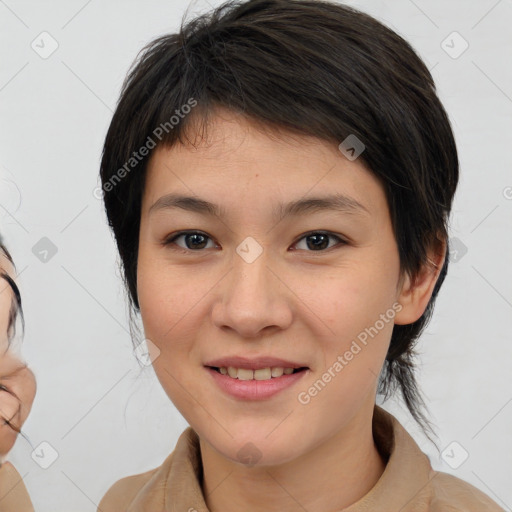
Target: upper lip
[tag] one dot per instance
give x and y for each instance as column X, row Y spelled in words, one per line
column 253, row 364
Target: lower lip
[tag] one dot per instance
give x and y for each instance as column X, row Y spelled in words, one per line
column 255, row 389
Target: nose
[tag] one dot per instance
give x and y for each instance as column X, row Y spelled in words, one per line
column 253, row 298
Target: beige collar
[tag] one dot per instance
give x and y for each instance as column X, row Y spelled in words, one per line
column 175, row 485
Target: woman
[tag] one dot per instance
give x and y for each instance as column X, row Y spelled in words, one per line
column 17, row 389
column 279, row 177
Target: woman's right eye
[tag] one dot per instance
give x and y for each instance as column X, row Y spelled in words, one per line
column 193, row 240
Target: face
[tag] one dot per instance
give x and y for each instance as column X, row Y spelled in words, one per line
column 304, row 287
column 17, row 382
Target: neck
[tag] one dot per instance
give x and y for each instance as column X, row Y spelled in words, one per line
column 334, row 475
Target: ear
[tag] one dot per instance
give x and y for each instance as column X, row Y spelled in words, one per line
column 415, row 295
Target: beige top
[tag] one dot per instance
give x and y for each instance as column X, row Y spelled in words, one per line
column 408, row 484
column 13, row 493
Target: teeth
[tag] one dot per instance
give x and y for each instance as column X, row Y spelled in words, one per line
column 261, row 374
column 277, row 372
column 243, row 374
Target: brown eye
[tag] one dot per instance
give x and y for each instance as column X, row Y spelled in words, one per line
column 194, row 240
column 317, row 241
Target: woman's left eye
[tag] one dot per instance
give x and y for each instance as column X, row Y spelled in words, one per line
column 317, row 240
column 320, row 239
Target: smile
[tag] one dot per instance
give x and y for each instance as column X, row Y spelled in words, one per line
column 255, row 384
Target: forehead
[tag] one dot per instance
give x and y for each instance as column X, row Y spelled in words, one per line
column 236, row 159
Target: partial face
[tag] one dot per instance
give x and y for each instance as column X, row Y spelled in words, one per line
column 17, row 382
column 6, row 299
column 307, row 287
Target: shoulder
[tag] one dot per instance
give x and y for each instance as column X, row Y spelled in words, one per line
column 122, row 493
column 13, row 493
column 451, row 494
column 148, row 490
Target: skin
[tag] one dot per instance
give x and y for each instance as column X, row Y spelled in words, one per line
column 295, row 301
column 17, row 381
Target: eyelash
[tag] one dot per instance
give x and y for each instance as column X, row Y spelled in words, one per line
column 170, row 240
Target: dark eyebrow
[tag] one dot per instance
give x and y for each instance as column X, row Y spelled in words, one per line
column 337, row 202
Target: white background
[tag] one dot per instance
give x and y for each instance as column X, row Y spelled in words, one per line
column 106, row 418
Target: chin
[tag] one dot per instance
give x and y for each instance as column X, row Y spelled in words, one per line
column 257, row 450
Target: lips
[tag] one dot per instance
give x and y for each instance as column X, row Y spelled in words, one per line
column 256, row 363
column 255, row 389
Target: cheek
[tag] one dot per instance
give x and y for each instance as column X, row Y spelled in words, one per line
column 9, row 409
column 164, row 300
column 355, row 308
column 351, row 300
column 164, row 304
column 170, row 308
